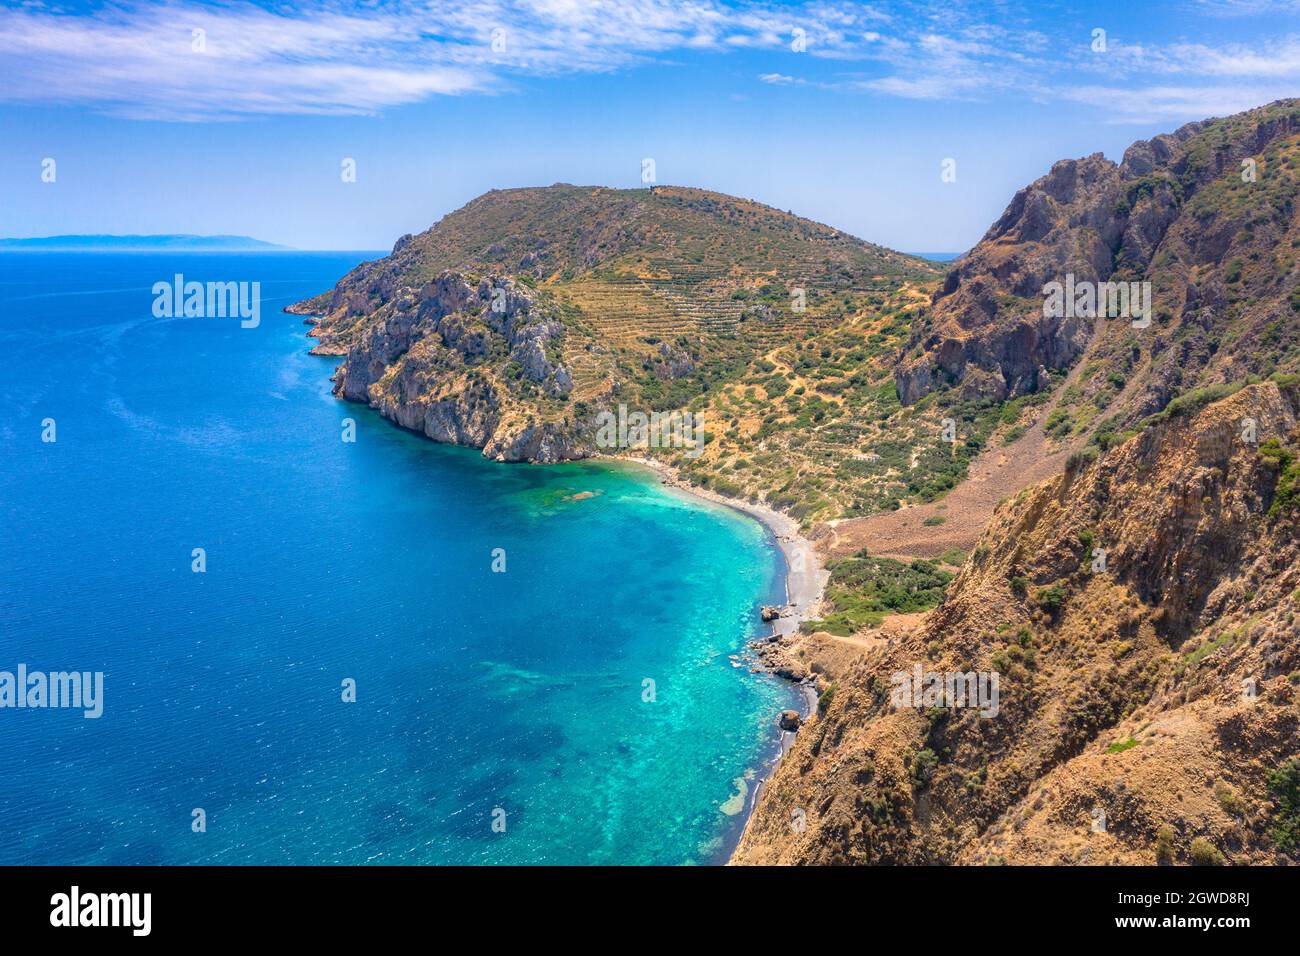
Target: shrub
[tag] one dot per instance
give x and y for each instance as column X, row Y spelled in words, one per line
column 1058, row 423
column 1228, row 799
column 1081, row 458
column 1165, row 845
column 1204, row 853
column 923, row 767
column 1284, row 787
column 1020, row 585
column 825, row 699
column 1050, row 599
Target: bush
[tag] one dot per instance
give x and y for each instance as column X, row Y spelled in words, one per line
column 1058, row 423
column 1165, row 845
column 1284, row 787
column 1081, row 458
column 1204, row 853
column 923, row 767
column 825, row 699
column 1050, row 599
column 1020, row 585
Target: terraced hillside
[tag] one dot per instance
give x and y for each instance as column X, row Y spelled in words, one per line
column 658, row 299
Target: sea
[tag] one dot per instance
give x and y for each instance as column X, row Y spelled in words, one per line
column 314, row 650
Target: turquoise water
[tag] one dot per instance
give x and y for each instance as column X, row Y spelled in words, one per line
column 478, row 693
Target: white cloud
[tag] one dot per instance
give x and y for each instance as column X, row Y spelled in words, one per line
column 362, row 56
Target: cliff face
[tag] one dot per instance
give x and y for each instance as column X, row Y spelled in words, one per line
column 1215, row 238
column 469, row 364
column 1157, row 689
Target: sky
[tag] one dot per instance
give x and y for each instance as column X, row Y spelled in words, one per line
column 241, row 118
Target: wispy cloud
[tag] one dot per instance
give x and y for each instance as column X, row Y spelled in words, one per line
column 1154, row 104
column 146, row 60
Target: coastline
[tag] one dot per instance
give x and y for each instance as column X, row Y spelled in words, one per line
column 805, row 586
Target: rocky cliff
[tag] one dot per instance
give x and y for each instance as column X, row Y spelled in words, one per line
column 1141, row 610
column 1206, row 215
column 473, row 364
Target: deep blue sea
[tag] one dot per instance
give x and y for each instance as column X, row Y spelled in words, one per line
column 518, row 698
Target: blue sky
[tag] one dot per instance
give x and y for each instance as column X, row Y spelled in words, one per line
column 244, row 127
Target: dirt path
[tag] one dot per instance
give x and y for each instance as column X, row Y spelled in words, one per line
column 996, row 474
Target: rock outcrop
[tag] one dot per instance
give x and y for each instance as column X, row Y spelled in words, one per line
column 465, row 363
column 1147, row 218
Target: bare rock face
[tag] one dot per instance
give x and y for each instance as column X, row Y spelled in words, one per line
column 1097, row 221
column 454, row 361
column 672, row 362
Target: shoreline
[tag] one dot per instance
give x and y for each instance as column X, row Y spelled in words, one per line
column 805, row 586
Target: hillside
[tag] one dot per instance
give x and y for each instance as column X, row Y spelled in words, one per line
column 1148, row 703
column 1207, row 215
column 1162, row 690
column 778, row 331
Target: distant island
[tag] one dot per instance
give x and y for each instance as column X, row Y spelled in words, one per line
column 170, row 242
